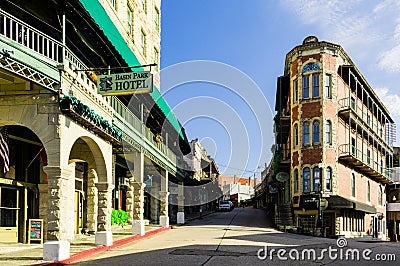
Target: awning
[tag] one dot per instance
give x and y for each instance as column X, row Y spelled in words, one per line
column 338, row 202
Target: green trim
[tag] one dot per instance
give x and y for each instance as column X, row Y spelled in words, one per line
column 104, row 22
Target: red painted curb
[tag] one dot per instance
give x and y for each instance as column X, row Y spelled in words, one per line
column 118, row 243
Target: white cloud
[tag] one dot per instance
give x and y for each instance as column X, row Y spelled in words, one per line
column 391, row 101
column 373, row 26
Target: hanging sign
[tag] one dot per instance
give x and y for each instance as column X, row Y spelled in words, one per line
column 282, row 176
column 125, row 83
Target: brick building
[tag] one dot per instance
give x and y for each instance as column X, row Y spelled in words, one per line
column 333, row 152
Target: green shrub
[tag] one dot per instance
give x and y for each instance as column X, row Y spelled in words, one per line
column 119, row 217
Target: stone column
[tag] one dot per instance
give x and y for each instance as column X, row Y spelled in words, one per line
column 92, row 200
column 181, row 205
column 44, row 207
column 138, row 208
column 61, row 219
column 138, row 194
column 155, row 202
column 104, row 234
column 164, row 218
column 129, row 194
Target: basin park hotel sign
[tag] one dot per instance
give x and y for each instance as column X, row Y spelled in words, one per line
column 125, row 83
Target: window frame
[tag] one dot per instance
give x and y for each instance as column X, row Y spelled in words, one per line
column 316, row 138
column 368, row 191
column 157, row 18
column 315, row 85
column 306, row 125
column 316, row 170
column 296, row 180
column 143, row 42
column 328, row 132
column 296, row 134
column 353, row 185
column 130, row 20
column 306, row 180
column 328, row 85
column 295, row 90
column 328, row 178
column 305, row 87
column 156, row 58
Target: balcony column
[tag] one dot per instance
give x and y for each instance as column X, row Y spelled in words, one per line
column 181, row 205
column 164, row 218
column 138, row 194
column 104, row 234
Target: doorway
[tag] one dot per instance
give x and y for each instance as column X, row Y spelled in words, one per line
column 9, row 211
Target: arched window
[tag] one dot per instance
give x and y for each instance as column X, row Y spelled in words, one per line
column 316, row 178
column 368, row 191
column 296, row 180
column 315, row 131
column 380, row 196
column 306, row 132
column 328, row 132
column 306, row 179
column 296, row 135
column 353, row 185
column 328, row 179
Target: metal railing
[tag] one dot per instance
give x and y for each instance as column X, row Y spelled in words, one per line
column 135, row 122
column 29, row 37
column 364, row 114
column 366, row 159
column 37, row 42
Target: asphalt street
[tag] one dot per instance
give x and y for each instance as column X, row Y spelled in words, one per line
column 243, row 236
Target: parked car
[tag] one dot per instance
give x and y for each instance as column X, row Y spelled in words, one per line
column 225, row 205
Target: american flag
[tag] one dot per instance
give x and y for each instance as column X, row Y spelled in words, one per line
column 4, row 152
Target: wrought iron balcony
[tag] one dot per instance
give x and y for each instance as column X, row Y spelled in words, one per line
column 365, row 164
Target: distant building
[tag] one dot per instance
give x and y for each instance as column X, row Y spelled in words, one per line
column 236, row 188
column 393, row 200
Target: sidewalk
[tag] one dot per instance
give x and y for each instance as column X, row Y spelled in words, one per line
column 81, row 246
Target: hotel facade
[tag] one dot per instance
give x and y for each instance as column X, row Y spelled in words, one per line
column 73, row 154
column 333, row 155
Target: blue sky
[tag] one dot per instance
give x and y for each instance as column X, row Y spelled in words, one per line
column 222, row 103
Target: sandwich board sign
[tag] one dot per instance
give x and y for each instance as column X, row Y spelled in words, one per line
column 35, row 232
column 125, row 83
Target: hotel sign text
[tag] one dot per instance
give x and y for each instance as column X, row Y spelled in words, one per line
column 125, row 83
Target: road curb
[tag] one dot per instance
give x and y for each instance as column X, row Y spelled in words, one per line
column 120, row 242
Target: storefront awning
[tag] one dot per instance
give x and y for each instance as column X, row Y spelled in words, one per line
column 338, row 202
